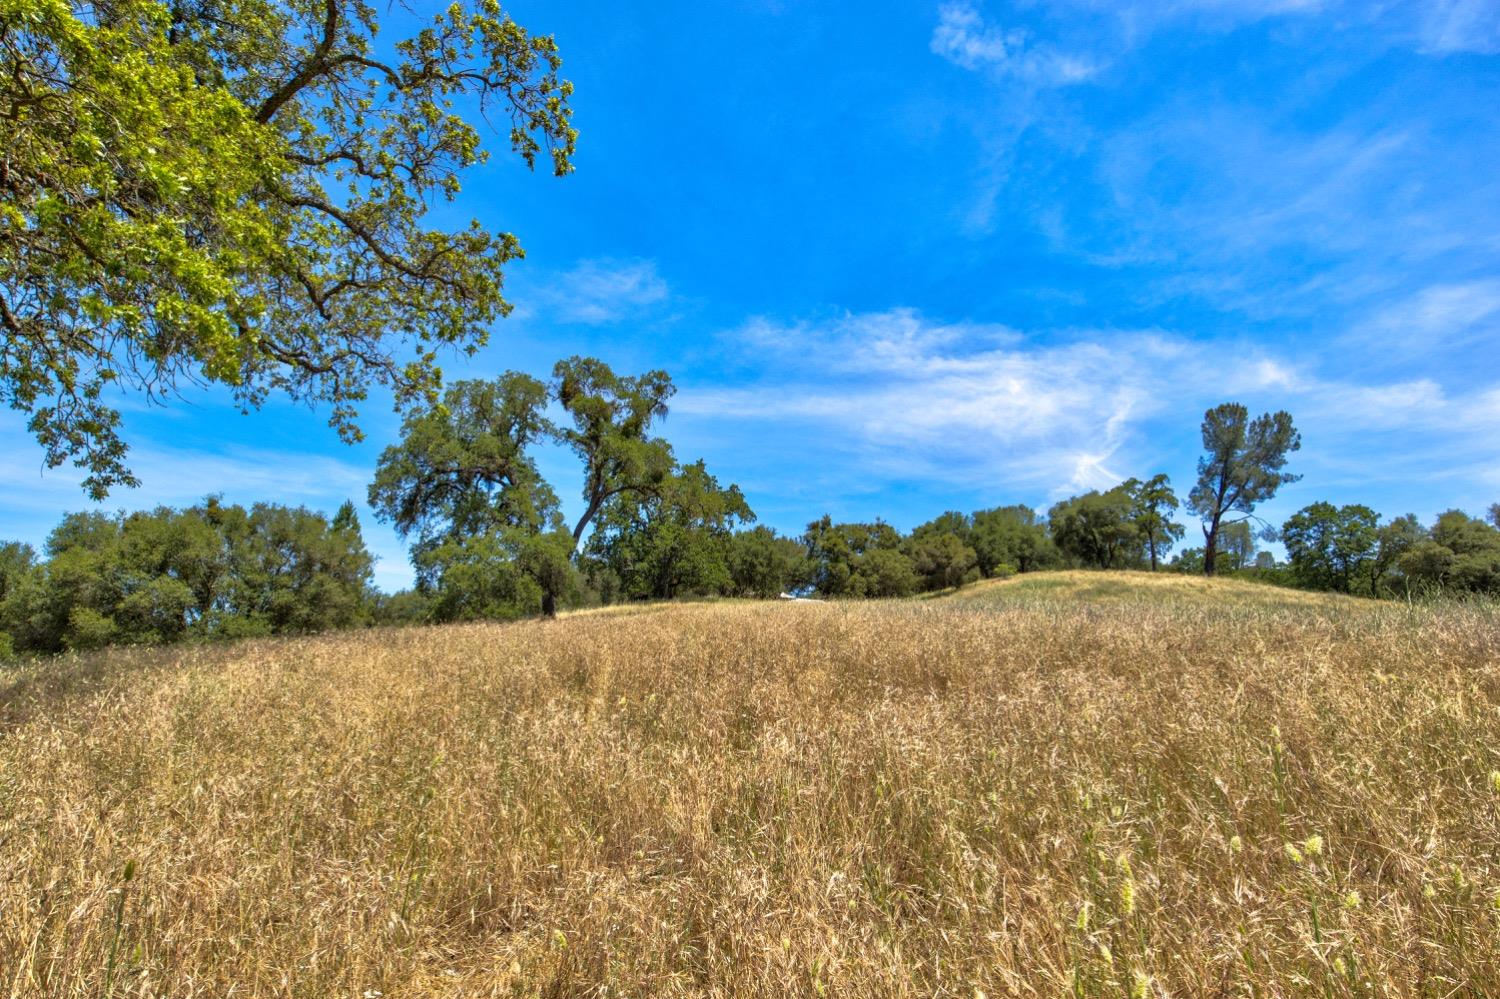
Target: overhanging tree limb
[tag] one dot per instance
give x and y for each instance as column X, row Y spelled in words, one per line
column 172, row 178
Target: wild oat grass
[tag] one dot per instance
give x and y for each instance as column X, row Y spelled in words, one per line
column 1009, row 793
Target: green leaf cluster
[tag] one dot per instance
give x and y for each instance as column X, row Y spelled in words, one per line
column 237, row 192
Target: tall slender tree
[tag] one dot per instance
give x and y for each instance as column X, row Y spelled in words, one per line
column 1154, row 504
column 1241, row 466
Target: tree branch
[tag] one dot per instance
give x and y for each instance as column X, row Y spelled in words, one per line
column 415, row 272
column 309, row 71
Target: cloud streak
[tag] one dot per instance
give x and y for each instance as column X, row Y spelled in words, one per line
column 965, row 403
column 964, row 38
column 899, row 397
column 594, row 293
column 1460, row 26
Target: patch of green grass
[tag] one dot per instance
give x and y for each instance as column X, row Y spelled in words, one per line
column 1118, row 587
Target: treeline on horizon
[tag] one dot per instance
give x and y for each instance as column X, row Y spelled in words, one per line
column 488, row 539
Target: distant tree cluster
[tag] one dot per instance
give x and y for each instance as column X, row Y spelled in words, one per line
column 1348, row 550
column 876, row 560
column 1129, row 526
column 209, row 571
column 684, row 541
column 489, row 540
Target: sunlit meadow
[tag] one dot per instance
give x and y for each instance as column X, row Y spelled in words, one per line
column 1067, row 785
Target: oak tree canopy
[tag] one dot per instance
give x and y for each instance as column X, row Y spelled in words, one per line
column 240, row 192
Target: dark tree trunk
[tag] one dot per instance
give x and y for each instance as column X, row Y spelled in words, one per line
column 1210, row 548
column 549, row 604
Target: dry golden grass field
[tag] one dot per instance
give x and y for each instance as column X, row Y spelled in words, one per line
column 1062, row 785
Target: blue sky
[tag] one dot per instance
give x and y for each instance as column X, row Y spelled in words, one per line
column 903, row 257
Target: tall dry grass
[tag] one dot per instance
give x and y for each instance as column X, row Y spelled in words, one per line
column 991, row 796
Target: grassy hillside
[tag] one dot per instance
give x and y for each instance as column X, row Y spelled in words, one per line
column 1140, row 587
column 1068, row 785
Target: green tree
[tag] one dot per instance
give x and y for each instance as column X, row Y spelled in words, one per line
column 480, row 577
column 464, row 468
column 1237, row 545
column 1098, row 529
column 943, row 560
column 84, row 584
column 959, row 525
column 209, row 571
column 1308, row 535
column 1395, row 538
column 1154, row 501
column 1460, row 553
column 402, row 608
column 859, row 560
column 17, row 560
column 1241, row 466
column 764, row 564
column 672, row 540
column 1475, row 545
column 1188, row 561
column 1427, row 566
column 463, row 484
column 612, row 418
column 885, row 572
column 346, row 518
column 1011, row 539
column 17, row 566
column 464, row 471
column 1332, row 548
column 240, row 192
column 942, row 552
column 297, row 574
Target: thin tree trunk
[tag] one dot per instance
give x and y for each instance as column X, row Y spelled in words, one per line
column 1210, row 547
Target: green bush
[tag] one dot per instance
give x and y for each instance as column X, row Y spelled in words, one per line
column 88, row 629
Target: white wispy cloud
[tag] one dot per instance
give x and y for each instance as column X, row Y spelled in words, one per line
column 1219, row 197
column 1430, row 27
column 593, row 293
column 1219, row 181
column 895, row 396
column 1441, row 316
column 1460, row 26
column 1093, row 34
column 961, row 402
column 965, row 38
column 177, row 476
column 1205, row 176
